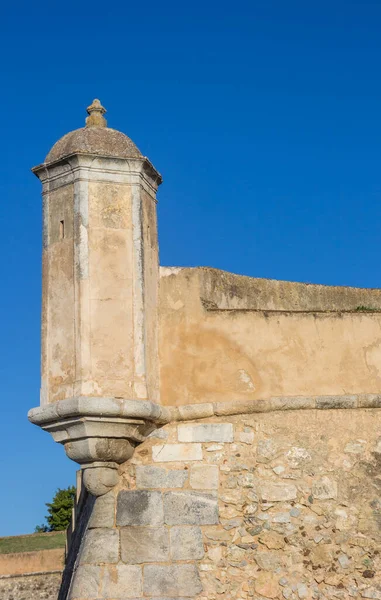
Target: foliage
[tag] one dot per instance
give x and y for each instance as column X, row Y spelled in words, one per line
column 59, row 511
column 41, row 528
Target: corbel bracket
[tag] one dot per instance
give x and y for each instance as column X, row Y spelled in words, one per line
column 99, row 433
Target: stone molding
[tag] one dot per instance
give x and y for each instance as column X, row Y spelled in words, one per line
column 32, row 574
column 129, row 171
column 237, row 407
column 102, row 407
column 101, row 433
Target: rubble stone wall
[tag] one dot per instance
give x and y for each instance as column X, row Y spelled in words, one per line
column 40, row 586
column 282, row 505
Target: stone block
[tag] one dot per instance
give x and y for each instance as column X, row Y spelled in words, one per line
column 206, row 432
column 101, row 545
column 369, row 401
column 86, row 582
column 267, row 585
column 326, row 402
column 157, row 477
column 268, row 561
column 172, row 580
column 196, row 411
column 246, row 437
column 144, row 544
column 122, row 581
column 266, row 450
column 204, row 477
column 190, row 508
column 176, row 452
column 324, row 489
column 139, row 507
column 297, row 456
column 373, row 593
column 355, row 447
column 186, row 543
column 160, row 434
column 278, row 492
column 103, row 514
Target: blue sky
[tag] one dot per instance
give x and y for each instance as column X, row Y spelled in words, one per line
column 264, row 118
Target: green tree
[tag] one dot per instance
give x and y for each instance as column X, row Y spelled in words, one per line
column 41, row 528
column 59, row 511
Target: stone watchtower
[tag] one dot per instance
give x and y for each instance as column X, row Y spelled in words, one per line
column 100, row 287
column 227, row 427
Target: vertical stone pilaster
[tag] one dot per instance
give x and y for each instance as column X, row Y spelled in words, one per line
column 44, row 303
column 140, row 362
column 81, row 284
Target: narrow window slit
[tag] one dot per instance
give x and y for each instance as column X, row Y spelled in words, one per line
column 62, row 230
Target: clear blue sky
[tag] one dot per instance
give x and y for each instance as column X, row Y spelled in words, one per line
column 264, row 119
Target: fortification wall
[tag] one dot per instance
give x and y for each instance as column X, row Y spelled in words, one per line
column 221, row 290
column 18, row 563
column 31, row 575
column 225, row 337
column 41, row 586
column 281, row 505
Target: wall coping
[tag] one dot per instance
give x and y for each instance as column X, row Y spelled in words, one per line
column 224, row 291
column 56, row 571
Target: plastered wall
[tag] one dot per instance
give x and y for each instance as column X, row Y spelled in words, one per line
column 19, row 563
column 240, row 339
column 58, row 373
column 110, row 282
column 100, row 287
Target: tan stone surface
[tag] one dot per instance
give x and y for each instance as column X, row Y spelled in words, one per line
column 100, row 282
column 321, row 539
column 58, row 334
column 221, row 290
column 19, row 563
column 111, row 290
column 151, row 280
column 30, row 587
column 211, row 355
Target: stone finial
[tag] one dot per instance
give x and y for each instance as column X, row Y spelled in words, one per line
column 96, row 112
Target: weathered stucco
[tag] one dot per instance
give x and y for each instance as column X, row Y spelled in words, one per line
column 151, row 282
column 39, row 561
column 225, row 343
column 223, row 290
column 58, row 309
column 100, row 279
column 111, row 294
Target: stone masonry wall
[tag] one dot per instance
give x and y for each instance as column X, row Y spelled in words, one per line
column 283, row 505
column 39, row 586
